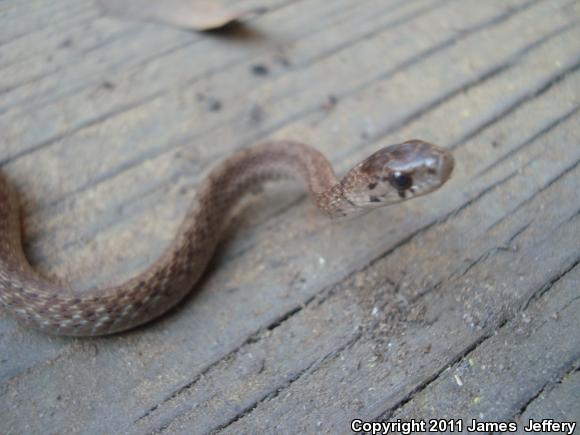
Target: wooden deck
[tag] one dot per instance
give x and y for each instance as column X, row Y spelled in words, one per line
column 463, row 304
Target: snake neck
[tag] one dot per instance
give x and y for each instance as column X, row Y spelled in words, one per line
column 228, row 182
column 343, row 199
column 335, row 204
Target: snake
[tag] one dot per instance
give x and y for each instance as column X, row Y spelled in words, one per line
column 393, row 174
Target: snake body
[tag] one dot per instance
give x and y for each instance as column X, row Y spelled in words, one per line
column 391, row 175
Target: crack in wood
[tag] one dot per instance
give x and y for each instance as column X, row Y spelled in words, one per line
column 42, row 28
column 547, row 386
column 531, row 94
column 135, row 29
column 491, row 332
column 538, row 192
column 385, row 415
column 389, row 25
column 100, row 44
column 310, row 369
column 553, row 124
column 80, row 127
column 251, row 339
column 546, row 288
column 458, row 273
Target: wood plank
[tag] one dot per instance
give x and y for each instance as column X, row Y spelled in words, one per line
column 300, row 324
column 556, row 401
column 496, row 380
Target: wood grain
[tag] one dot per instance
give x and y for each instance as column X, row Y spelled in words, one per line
column 107, row 127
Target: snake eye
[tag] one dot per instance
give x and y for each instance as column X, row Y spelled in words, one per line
column 401, row 181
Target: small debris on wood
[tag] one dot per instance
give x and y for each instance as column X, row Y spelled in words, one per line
column 214, row 105
column 256, row 114
column 283, row 60
column 260, row 70
column 67, row 43
column 330, row 103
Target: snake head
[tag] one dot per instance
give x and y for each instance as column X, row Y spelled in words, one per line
column 400, row 172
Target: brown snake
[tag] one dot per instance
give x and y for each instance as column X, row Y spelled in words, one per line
column 391, row 175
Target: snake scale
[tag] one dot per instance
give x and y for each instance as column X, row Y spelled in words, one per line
column 392, row 174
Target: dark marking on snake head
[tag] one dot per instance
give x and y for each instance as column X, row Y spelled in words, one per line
column 371, row 186
column 374, row 199
column 402, row 194
column 432, row 171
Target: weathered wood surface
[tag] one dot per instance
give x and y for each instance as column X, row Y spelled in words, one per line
column 462, row 304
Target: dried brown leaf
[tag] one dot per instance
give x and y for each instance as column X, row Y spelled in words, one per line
column 189, row 14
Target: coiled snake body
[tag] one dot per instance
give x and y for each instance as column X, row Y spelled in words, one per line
column 391, row 175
